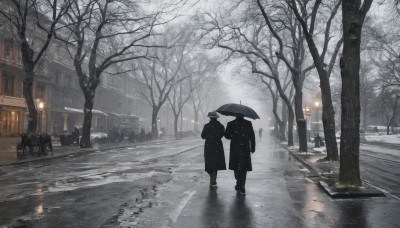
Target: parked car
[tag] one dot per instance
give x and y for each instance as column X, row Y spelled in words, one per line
column 99, row 137
column 338, row 137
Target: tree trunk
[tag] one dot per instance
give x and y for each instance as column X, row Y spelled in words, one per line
column 301, row 123
column 154, row 127
column 328, row 118
column 350, row 98
column 290, row 118
column 196, row 121
column 290, row 126
column 27, row 60
column 87, row 120
column 176, row 120
column 282, row 130
column 290, row 112
column 32, row 112
column 392, row 117
column 280, row 127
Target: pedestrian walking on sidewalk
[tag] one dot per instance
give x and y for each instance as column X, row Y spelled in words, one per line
column 241, row 134
column 214, row 156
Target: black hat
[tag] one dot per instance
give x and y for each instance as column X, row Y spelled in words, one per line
column 213, row 115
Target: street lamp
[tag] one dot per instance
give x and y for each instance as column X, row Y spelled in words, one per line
column 317, row 109
column 307, row 112
column 41, row 106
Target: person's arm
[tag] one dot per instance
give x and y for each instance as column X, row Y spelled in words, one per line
column 252, row 138
column 221, row 132
column 204, row 132
column 228, row 131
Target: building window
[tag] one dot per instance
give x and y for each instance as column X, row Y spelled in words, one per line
column 40, row 92
column 67, row 81
column 8, row 83
column 57, row 78
column 8, row 48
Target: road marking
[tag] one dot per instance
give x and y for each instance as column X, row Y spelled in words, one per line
column 175, row 214
column 381, row 189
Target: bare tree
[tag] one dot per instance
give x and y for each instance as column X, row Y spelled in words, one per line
column 389, row 105
column 248, row 39
column 23, row 17
column 294, row 58
column 307, row 21
column 353, row 16
column 194, row 70
column 205, row 71
column 275, row 99
column 101, row 34
column 161, row 74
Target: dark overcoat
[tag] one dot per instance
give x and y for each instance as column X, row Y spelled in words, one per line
column 241, row 134
column 214, row 156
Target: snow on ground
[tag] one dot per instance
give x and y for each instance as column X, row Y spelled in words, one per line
column 384, row 138
column 394, row 139
column 380, row 150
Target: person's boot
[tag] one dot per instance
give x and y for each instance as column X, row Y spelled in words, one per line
column 213, row 179
column 237, row 186
column 242, row 190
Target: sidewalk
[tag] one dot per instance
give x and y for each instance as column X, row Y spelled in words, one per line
column 328, row 174
column 8, row 154
column 279, row 194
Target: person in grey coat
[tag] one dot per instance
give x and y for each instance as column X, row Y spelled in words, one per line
column 241, row 134
column 214, row 156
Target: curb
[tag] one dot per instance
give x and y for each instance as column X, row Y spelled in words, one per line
column 79, row 151
column 314, row 171
column 346, row 193
column 328, row 186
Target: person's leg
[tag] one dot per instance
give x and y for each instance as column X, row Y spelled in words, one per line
column 237, row 177
column 242, row 188
column 213, row 178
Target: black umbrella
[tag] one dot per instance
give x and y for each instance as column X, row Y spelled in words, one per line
column 237, row 109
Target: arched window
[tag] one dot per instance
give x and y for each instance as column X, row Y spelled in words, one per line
column 8, row 48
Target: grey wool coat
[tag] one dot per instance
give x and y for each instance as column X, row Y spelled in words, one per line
column 241, row 134
column 214, row 156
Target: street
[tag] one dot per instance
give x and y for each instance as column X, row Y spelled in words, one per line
column 164, row 185
column 380, row 166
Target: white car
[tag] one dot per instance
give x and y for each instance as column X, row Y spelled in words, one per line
column 338, row 137
column 94, row 136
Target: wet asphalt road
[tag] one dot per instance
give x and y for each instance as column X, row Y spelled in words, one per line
column 279, row 194
column 86, row 190
column 164, row 185
column 380, row 169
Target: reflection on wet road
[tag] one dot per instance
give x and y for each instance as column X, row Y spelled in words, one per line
column 166, row 186
column 279, row 194
column 87, row 189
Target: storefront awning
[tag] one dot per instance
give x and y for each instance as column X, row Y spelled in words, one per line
column 113, row 113
column 76, row 110
column 12, row 101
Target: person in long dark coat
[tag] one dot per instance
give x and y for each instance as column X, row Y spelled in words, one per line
column 241, row 134
column 214, row 156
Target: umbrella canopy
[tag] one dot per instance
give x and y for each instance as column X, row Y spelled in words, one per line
column 237, row 109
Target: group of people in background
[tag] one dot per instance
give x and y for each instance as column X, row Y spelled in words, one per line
column 242, row 145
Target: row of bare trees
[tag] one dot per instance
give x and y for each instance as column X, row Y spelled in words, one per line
column 299, row 37
column 273, row 36
column 176, row 74
column 117, row 36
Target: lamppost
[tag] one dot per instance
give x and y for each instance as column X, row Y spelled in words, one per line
column 307, row 112
column 40, row 106
column 317, row 113
column 159, row 127
column 194, row 124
